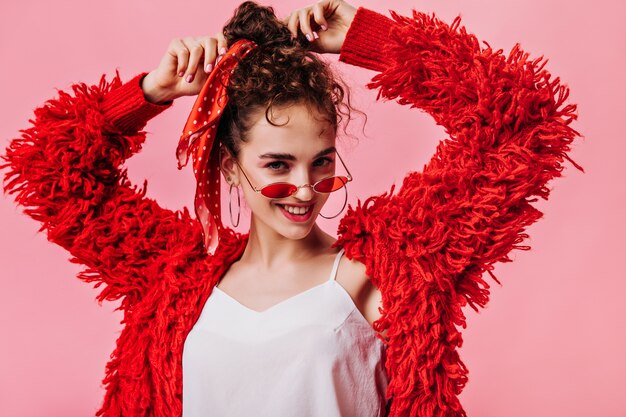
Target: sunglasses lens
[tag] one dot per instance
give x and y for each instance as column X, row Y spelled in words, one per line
column 278, row 190
column 330, row 184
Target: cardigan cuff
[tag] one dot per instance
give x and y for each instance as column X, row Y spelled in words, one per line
column 366, row 36
column 127, row 108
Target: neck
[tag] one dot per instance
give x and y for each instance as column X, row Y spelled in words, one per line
column 268, row 250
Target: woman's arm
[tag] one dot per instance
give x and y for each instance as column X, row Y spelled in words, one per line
column 427, row 246
column 66, row 171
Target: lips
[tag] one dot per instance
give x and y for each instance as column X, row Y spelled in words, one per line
column 295, row 205
column 296, row 217
column 307, row 207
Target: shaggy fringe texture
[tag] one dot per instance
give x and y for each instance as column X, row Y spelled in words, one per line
column 427, row 247
column 65, row 172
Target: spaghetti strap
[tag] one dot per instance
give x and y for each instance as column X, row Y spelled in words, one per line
column 333, row 273
column 301, row 340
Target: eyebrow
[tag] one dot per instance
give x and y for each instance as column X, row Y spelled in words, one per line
column 290, row 157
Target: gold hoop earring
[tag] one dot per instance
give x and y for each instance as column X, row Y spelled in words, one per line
column 344, row 206
column 230, row 210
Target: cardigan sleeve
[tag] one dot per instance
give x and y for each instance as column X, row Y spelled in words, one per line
column 66, row 171
column 426, row 247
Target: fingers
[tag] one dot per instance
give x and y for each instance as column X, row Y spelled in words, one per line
column 195, row 52
column 305, row 24
column 292, row 24
column 180, row 51
column 222, row 45
column 318, row 15
column 210, row 48
column 214, row 48
column 302, row 18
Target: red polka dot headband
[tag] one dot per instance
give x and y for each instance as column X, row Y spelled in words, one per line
column 198, row 140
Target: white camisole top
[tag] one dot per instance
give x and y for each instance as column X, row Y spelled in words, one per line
column 311, row 355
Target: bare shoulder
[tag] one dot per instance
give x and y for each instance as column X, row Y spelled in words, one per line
column 367, row 298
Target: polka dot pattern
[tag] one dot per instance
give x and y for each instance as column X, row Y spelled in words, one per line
column 198, row 142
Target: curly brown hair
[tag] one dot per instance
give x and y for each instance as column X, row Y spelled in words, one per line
column 279, row 71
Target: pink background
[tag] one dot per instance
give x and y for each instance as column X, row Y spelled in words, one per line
column 550, row 342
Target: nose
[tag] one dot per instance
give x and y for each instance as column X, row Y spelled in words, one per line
column 305, row 191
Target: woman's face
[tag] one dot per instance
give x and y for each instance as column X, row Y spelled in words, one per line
column 301, row 151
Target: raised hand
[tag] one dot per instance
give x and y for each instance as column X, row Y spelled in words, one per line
column 184, row 68
column 324, row 23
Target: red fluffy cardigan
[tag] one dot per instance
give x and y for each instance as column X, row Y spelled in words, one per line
column 425, row 247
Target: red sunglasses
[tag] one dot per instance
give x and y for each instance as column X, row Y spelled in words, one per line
column 286, row 189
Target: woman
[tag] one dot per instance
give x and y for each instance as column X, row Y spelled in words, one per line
column 294, row 327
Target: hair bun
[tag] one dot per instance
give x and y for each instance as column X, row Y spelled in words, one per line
column 259, row 24
column 278, row 72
